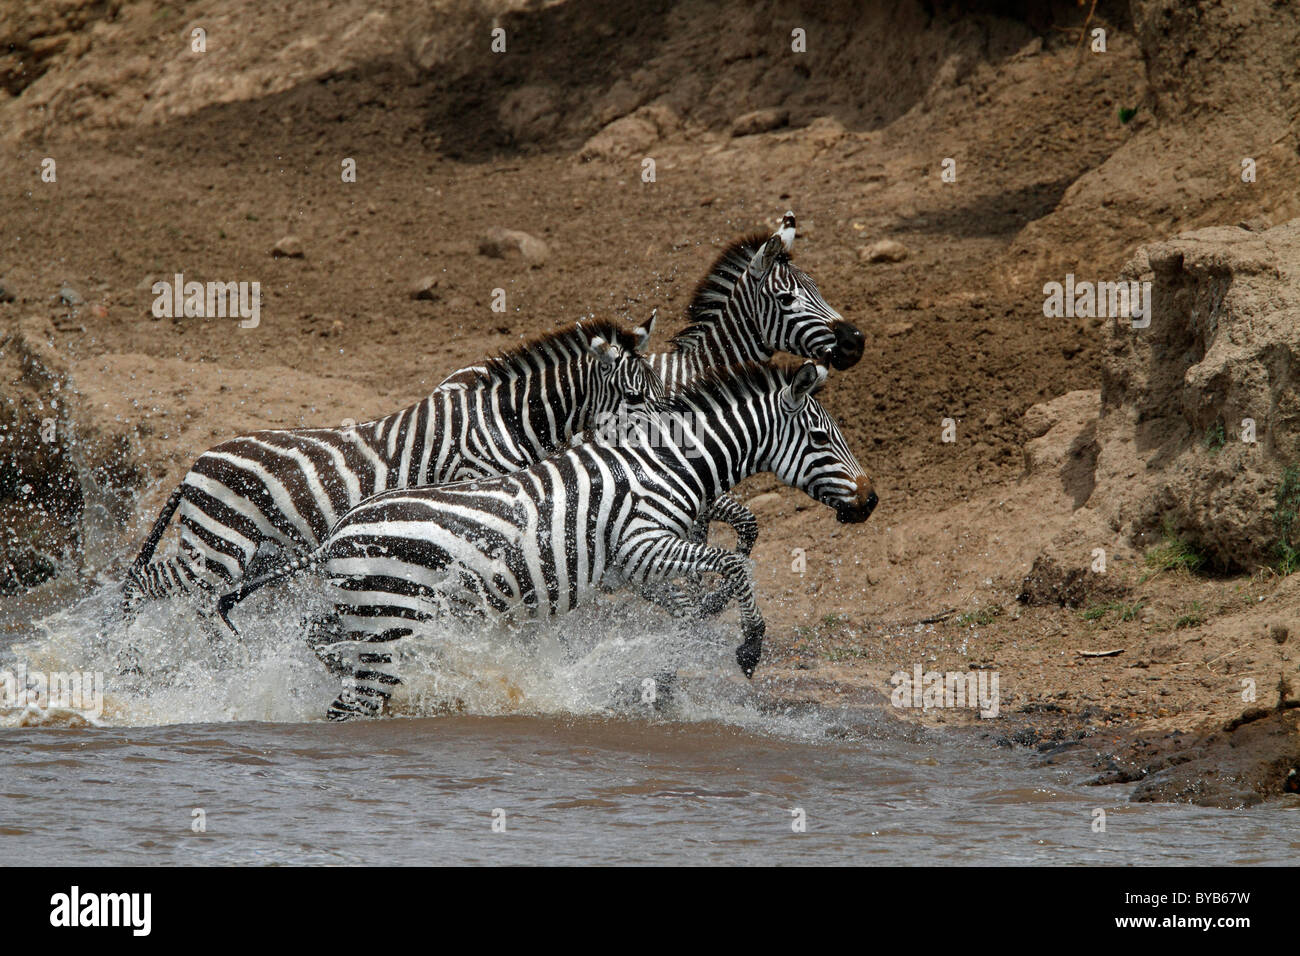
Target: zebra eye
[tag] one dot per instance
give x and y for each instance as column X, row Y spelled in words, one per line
column 820, row 437
column 787, row 299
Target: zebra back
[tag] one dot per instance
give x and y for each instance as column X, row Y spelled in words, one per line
column 289, row 487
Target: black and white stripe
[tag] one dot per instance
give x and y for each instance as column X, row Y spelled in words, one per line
column 753, row 303
column 602, row 514
column 288, row 487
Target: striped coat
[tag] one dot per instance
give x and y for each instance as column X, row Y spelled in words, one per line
column 287, row 488
column 606, row 513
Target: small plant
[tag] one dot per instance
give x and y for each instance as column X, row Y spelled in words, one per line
column 1126, row 612
column 1215, row 438
column 1174, row 553
column 982, row 617
column 1099, row 611
column 835, row 620
column 1193, row 618
column 1286, row 504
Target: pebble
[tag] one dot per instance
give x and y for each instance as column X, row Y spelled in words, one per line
column 289, row 247
column 498, row 243
column 886, row 250
column 425, row 288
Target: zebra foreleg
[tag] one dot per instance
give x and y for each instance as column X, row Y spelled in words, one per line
column 667, row 556
column 731, row 512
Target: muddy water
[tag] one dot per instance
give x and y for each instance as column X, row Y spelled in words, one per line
column 545, row 733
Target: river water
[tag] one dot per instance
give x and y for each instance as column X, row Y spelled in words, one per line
column 533, row 748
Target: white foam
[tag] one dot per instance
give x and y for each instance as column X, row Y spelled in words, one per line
column 171, row 665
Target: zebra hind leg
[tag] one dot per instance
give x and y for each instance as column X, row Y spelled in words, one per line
column 366, row 684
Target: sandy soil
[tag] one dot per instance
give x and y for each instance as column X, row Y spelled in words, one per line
column 168, row 171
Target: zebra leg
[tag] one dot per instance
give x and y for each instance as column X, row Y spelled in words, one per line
column 659, row 556
column 365, row 684
column 730, row 511
column 162, row 579
column 683, row 601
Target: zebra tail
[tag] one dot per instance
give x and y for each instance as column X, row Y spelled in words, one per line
column 231, row 598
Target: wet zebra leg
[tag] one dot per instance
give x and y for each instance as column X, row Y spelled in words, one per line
column 365, row 683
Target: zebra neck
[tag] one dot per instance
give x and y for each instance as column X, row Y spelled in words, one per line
column 536, row 419
column 720, row 340
column 716, row 459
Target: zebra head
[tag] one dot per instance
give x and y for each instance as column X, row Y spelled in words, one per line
column 622, row 383
column 808, row 450
column 789, row 311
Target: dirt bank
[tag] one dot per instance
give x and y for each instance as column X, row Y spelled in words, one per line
column 200, row 163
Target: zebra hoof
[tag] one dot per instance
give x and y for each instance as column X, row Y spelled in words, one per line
column 747, row 656
column 346, row 708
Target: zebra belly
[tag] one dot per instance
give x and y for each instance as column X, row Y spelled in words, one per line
column 384, row 581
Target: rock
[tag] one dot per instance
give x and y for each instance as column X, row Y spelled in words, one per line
column 1223, row 346
column 500, row 243
column 529, row 113
column 425, row 289
column 631, row 135
column 886, row 250
column 70, row 296
column 760, row 121
column 823, row 132
column 6, row 294
column 1063, row 439
column 1278, row 632
column 289, row 247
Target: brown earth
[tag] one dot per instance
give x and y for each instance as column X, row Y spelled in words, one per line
column 174, row 161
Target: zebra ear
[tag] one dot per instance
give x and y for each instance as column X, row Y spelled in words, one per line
column 605, row 352
column 786, row 232
column 765, row 258
column 806, row 382
column 642, row 331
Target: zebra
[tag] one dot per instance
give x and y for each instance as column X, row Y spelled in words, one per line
column 288, row 487
column 753, row 303
column 611, row 511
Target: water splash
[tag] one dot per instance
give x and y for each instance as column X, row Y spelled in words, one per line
column 175, row 663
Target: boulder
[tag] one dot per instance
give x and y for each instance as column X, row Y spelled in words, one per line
column 498, row 243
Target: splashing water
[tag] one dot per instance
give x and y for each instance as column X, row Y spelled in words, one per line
column 176, row 663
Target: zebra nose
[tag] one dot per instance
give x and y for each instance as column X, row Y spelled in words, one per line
column 848, row 345
column 860, row 506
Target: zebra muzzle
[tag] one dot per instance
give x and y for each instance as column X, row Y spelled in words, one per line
column 849, row 344
column 859, row 507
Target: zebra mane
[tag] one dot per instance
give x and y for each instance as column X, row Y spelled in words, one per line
column 713, row 291
column 733, row 381
column 567, row 342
